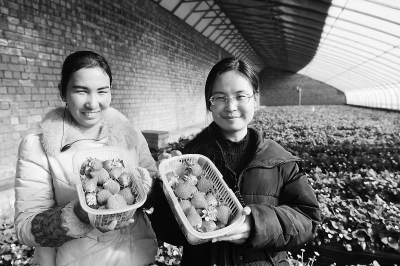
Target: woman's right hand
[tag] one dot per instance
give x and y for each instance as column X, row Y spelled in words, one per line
column 82, row 215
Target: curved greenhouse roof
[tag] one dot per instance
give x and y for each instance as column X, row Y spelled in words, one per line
column 352, row 45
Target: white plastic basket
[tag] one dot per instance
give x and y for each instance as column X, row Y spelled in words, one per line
column 103, row 217
column 224, row 193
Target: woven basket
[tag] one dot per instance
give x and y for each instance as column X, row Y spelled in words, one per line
column 224, row 193
column 103, row 217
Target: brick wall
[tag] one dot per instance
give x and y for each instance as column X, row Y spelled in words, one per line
column 279, row 88
column 159, row 64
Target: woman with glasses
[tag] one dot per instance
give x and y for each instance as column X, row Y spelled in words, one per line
column 281, row 209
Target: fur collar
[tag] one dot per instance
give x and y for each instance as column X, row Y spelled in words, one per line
column 116, row 128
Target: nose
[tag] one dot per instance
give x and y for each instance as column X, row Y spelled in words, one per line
column 231, row 105
column 92, row 102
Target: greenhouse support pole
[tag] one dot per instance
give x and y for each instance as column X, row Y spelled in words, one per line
column 299, row 90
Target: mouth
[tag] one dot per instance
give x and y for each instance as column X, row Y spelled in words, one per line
column 90, row 114
column 230, row 117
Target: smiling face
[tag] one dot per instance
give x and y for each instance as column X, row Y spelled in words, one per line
column 232, row 117
column 88, row 96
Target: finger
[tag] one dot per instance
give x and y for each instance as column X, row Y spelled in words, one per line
column 112, row 225
column 246, row 211
column 228, row 238
column 125, row 224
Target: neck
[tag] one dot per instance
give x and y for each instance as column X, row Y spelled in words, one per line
column 92, row 132
column 235, row 136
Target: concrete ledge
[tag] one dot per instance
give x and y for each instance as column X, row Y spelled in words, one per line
column 156, row 139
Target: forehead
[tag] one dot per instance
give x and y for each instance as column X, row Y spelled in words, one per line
column 231, row 82
column 90, row 76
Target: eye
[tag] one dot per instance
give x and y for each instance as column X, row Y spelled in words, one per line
column 241, row 97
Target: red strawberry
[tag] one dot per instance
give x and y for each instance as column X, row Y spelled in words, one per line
column 116, row 202
column 204, row 184
column 198, row 200
column 210, row 198
column 125, row 179
column 195, row 169
column 119, row 163
column 102, row 196
column 95, row 164
column 184, row 190
column 112, row 186
column 185, row 205
column 84, row 166
column 223, row 214
column 128, row 196
column 116, row 172
column 90, row 185
column 101, row 175
column 91, row 200
column 194, row 218
column 208, row 226
column 108, row 165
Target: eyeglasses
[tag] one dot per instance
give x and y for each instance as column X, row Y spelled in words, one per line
column 220, row 99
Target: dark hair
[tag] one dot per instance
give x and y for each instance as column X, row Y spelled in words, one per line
column 229, row 64
column 77, row 61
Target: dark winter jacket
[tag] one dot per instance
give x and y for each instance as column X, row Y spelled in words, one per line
column 283, row 206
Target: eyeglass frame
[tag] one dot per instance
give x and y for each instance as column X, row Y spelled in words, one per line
column 227, row 99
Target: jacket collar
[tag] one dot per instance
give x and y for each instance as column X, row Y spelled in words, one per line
column 268, row 153
column 59, row 130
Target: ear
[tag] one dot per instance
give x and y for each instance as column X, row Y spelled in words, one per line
column 60, row 91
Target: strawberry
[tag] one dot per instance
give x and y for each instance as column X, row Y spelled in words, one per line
column 204, row 184
column 91, row 200
column 116, row 172
column 209, row 213
column 195, row 169
column 84, row 166
column 90, row 185
column 98, row 188
column 210, row 198
column 95, row 164
column 200, row 212
column 102, row 196
column 128, row 196
column 101, row 175
column 219, row 225
column 198, row 200
column 194, row 218
column 119, row 163
column 191, row 179
column 223, row 214
column 125, row 180
column 112, row 186
column 108, row 165
column 208, row 226
column 116, row 202
column 184, row 190
column 185, row 205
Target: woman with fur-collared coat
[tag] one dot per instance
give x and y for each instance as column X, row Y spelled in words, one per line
column 48, row 215
column 281, row 208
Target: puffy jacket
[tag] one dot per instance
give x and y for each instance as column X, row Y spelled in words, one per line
column 283, row 205
column 45, row 180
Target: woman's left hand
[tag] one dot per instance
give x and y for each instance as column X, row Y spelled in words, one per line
column 113, row 225
column 240, row 234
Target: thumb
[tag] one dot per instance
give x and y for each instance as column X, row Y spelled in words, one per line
column 246, row 211
column 112, row 225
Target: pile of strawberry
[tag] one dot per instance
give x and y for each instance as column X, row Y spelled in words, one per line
column 197, row 198
column 108, row 184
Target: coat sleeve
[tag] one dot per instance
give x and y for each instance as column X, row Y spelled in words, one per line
column 145, row 158
column 293, row 222
column 38, row 221
column 33, row 187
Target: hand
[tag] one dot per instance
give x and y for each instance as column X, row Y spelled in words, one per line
column 241, row 233
column 113, row 225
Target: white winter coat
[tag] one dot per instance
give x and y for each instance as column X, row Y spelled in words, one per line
column 45, row 179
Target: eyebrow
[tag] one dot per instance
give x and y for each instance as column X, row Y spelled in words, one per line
column 83, row 87
column 238, row 92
